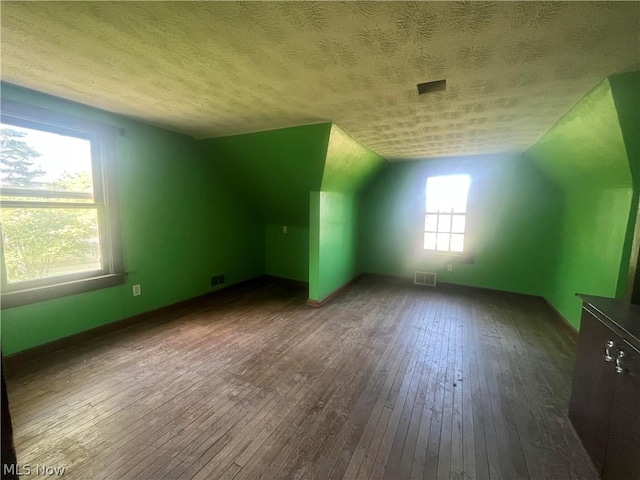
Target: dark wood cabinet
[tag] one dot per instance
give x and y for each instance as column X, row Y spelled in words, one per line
column 623, row 447
column 593, row 391
column 605, row 400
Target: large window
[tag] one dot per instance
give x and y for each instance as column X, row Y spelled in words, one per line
column 58, row 214
column 446, row 213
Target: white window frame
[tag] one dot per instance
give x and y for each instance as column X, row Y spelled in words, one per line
column 103, row 142
column 438, row 213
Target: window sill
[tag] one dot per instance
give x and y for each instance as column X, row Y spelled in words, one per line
column 49, row 292
column 448, row 257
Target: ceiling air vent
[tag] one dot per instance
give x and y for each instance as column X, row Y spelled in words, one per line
column 430, row 87
column 424, row 278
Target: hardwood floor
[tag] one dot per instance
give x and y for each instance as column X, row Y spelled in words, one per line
column 387, row 381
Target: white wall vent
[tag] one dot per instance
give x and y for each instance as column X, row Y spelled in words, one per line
column 425, row 278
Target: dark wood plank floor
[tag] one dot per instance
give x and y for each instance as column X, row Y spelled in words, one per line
column 388, row 381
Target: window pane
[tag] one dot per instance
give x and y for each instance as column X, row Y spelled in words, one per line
column 443, row 242
column 459, row 202
column 461, row 188
column 457, row 224
column 433, row 195
column 457, row 242
column 47, row 242
column 447, row 193
column 430, row 241
column 444, row 223
column 431, row 223
column 35, row 159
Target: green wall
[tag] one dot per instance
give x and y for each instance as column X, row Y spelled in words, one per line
column 625, row 89
column 180, row 223
column 593, row 228
column 585, row 154
column 274, row 170
column 349, row 165
column 511, row 225
column 626, row 95
column 333, row 247
column 287, row 254
column 273, row 173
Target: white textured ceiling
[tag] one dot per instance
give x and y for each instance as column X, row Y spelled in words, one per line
column 221, row 68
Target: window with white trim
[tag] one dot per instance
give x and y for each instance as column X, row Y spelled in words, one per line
column 446, row 213
column 58, row 214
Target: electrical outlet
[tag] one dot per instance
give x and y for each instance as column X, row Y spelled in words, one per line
column 136, row 290
column 449, row 267
column 284, row 229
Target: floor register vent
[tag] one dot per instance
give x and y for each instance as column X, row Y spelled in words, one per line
column 425, row 278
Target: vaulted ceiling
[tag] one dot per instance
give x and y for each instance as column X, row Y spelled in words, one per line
column 213, row 69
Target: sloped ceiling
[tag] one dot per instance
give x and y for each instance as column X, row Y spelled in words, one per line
column 274, row 170
column 349, row 166
column 586, row 146
column 214, row 69
column 626, row 95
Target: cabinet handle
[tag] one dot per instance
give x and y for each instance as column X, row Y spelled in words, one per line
column 607, row 353
column 619, row 367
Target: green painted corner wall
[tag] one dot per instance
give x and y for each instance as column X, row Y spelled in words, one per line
column 625, row 88
column 585, row 146
column 272, row 173
column 349, row 165
column 181, row 224
column 593, row 224
column 587, row 155
column 510, row 223
column 287, row 254
column 333, row 247
column 336, row 243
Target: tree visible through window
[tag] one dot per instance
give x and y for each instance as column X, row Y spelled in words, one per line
column 56, row 223
column 43, row 241
column 446, row 212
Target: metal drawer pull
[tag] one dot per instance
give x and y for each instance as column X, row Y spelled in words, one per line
column 619, row 367
column 607, row 353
